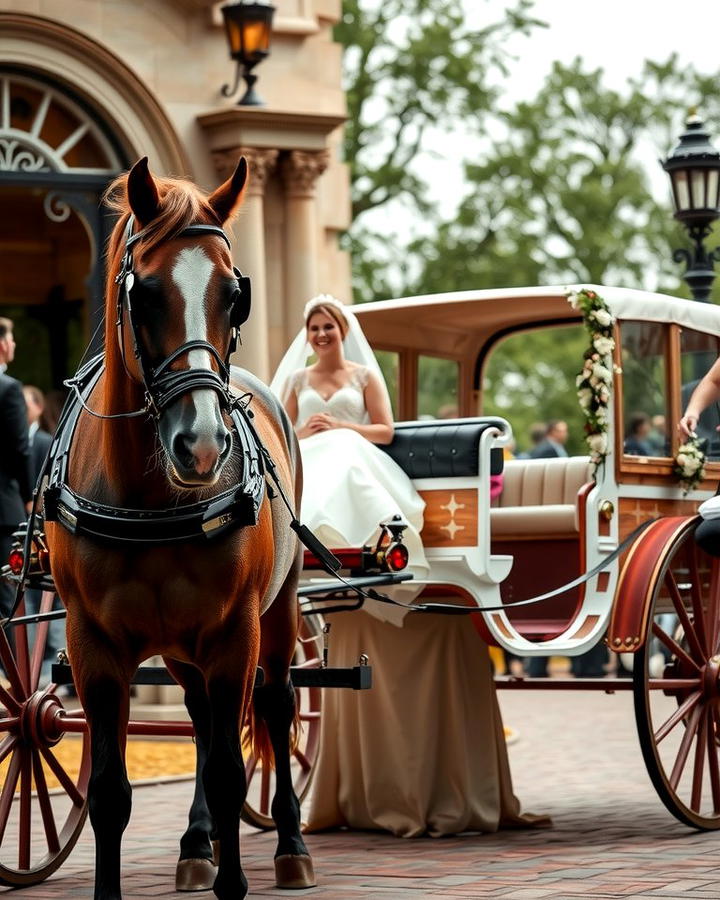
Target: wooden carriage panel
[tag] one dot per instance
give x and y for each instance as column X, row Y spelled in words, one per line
column 635, row 510
column 451, row 518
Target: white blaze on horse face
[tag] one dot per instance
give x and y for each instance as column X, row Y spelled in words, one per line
column 191, row 273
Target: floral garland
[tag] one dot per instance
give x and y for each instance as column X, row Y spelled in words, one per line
column 689, row 464
column 594, row 385
column 594, row 382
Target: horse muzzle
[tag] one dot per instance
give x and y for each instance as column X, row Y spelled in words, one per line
column 196, row 460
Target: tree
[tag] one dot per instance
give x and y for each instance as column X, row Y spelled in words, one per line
column 410, row 66
column 563, row 195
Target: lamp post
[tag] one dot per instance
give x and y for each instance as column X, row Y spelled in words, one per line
column 248, row 27
column 694, row 170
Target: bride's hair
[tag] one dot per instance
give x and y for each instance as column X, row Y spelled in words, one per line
column 330, row 306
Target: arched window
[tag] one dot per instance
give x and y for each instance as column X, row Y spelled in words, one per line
column 44, row 130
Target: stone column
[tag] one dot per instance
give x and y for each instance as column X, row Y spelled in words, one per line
column 300, row 170
column 249, row 252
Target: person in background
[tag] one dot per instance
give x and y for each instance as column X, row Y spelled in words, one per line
column 553, row 445
column 637, row 434
column 536, row 433
column 40, row 442
column 658, row 440
column 54, row 402
column 40, row 439
column 15, row 484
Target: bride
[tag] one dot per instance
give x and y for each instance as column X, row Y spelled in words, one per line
column 340, row 408
column 424, row 751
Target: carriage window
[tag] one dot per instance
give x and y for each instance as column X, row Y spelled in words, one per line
column 698, row 352
column 646, row 417
column 437, row 388
column 389, row 363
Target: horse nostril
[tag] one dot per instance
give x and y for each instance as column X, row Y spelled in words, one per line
column 181, row 448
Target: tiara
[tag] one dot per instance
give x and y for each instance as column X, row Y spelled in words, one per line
column 323, row 300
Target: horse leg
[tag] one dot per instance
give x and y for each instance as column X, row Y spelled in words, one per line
column 224, row 773
column 195, row 870
column 274, row 702
column 105, row 696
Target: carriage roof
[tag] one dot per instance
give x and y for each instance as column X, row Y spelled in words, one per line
column 458, row 322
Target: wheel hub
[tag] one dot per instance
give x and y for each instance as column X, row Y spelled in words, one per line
column 39, row 717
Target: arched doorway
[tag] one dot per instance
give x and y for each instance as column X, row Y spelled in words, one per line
column 56, row 158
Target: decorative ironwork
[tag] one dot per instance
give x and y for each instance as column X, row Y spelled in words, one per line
column 14, row 157
column 56, row 207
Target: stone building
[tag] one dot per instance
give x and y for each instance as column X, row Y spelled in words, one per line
column 89, row 86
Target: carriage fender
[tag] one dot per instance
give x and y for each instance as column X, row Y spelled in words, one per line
column 642, row 573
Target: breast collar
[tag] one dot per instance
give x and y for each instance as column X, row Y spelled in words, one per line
column 203, row 520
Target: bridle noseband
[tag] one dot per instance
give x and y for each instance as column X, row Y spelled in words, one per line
column 162, row 384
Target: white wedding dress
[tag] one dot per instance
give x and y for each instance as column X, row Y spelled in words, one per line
column 350, row 485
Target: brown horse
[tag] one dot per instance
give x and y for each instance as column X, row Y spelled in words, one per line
column 214, row 606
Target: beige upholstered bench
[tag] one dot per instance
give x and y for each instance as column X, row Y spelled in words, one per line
column 539, row 497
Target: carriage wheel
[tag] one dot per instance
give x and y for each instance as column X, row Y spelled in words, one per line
column 261, row 781
column 43, row 792
column 676, row 678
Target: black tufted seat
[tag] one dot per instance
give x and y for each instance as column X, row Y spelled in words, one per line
column 442, row 448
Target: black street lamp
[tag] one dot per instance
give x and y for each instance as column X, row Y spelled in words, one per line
column 694, row 170
column 248, row 27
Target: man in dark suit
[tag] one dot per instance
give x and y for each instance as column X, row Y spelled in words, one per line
column 15, row 486
column 554, row 444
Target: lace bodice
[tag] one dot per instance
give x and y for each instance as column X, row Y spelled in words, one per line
column 347, row 404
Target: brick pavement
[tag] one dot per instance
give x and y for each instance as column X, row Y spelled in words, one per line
column 577, row 758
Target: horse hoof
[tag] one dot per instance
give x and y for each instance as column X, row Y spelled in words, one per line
column 194, row 875
column 294, row 872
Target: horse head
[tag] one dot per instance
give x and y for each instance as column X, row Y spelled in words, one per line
column 184, row 302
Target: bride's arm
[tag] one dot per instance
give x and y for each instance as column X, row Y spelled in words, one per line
column 291, row 408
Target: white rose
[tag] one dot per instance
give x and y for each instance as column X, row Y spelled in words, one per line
column 597, row 443
column 691, row 466
column 602, row 317
column 603, row 394
column 681, row 460
column 594, row 380
column 604, row 345
column 585, row 396
column 573, row 299
column 601, row 416
column 602, row 373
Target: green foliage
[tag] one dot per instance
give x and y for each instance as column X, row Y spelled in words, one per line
column 410, row 66
column 530, row 378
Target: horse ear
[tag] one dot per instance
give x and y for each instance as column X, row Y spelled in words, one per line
column 226, row 199
column 142, row 193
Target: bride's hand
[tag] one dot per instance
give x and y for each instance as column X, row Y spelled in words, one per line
column 317, row 423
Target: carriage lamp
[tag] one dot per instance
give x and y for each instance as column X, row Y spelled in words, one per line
column 694, row 170
column 248, row 27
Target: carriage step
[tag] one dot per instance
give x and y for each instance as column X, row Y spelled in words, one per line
column 357, row 678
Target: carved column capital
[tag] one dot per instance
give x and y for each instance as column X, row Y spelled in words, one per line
column 261, row 162
column 301, row 169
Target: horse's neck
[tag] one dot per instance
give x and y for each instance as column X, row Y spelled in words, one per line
column 115, row 461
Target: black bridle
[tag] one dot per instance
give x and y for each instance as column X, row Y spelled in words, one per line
column 162, row 384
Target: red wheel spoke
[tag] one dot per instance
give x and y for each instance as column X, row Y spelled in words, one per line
column 41, row 635
column 305, row 763
column 25, row 832
column 6, row 746
column 714, row 767
column 696, row 595
column 265, row 790
column 8, row 792
column 679, row 714
column 9, row 702
column 7, row 658
column 684, row 749
column 673, row 646
column 250, row 767
column 63, row 777
column 43, row 796
column 698, row 766
column 690, row 634
column 22, row 651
